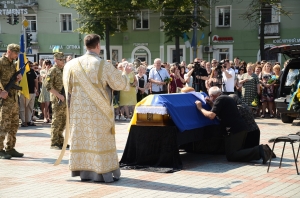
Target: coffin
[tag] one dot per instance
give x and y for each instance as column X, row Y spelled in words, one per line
column 152, row 116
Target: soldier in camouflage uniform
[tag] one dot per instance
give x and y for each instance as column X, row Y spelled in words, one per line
column 9, row 110
column 54, row 84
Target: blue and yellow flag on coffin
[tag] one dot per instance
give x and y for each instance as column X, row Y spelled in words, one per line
column 22, row 60
column 180, row 106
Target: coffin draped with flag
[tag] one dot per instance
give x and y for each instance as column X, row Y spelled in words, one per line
column 181, row 108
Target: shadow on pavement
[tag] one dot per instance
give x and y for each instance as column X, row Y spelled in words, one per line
column 34, row 134
column 42, row 160
column 219, row 163
column 159, row 186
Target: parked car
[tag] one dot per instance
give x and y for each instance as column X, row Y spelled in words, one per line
column 287, row 80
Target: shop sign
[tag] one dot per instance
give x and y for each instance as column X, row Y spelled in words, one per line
column 140, row 44
column 3, row 45
column 220, row 39
column 293, row 40
column 65, row 47
column 140, row 50
column 7, row 11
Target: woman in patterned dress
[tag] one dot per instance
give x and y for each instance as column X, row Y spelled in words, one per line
column 250, row 85
column 44, row 97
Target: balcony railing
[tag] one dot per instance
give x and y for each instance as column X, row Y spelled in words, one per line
column 271, row 29
column 33, row 4
column 26, row 2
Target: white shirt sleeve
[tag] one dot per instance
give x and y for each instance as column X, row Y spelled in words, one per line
column 151, row 74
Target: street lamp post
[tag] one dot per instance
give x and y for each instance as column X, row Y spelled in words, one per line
column 195, row 26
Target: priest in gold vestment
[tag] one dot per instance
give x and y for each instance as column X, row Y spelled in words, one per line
column 89, row 80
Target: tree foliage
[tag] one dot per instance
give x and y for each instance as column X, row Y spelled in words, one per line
column 97, row 15
column 104, row 17
column 254, row 11
column 178, row 16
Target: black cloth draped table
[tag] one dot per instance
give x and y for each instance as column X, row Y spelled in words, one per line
column 158, row 146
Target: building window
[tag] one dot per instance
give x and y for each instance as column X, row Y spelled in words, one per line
column 223, row 16
column 142, row 21
column 32, row 23
column 174, row 55
column 271, row 14
column 223, row 53
column 66, row 22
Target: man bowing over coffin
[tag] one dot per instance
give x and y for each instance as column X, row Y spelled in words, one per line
column 89, row 80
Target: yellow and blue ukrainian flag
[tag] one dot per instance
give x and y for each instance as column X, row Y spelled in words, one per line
column 22, row 60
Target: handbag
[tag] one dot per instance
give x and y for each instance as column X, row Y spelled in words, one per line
column 164, row 87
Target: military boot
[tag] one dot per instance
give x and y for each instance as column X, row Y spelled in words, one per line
column 14, row 153
column 56, row 147
column 4, row 155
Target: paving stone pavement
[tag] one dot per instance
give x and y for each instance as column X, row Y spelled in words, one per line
column 202, row 176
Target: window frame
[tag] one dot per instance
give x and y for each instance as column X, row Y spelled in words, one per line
column 275, row 16
column 29, row 28
column 61, row 23
column 217, row 16
column 141, row 17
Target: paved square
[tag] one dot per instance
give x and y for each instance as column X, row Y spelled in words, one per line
column 203, row 175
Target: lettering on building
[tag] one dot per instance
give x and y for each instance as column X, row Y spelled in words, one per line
column 293, row 40
column 140, row 44
column 3, row 45
column 7, row 11
column 13, row 11
column 65, row 47
column 224, row 39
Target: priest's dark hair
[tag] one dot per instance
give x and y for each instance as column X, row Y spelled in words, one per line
column 91, row 41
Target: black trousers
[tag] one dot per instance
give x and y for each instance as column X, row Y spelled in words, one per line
column 158, row 92
column 228, row 93
column 234, row 144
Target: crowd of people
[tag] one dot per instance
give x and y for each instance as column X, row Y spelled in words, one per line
column 38, row 106
column 256, row 84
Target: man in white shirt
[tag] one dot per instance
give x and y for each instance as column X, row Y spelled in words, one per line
column 157, row 75
column 228, row 78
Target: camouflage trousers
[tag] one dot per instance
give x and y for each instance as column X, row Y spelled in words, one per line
column 9, row 123
column 58, row 123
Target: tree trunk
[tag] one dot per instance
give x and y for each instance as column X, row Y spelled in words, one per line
column 107, row 43
column 177, row 50
column 262, row 33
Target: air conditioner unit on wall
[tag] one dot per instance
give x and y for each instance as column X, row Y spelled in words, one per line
column 207, row 49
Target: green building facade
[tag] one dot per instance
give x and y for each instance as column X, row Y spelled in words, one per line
column 227, row 36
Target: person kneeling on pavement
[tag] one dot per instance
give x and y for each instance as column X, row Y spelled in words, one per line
column 225, row 109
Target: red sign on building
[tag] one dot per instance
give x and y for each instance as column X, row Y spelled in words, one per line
column 219, row 39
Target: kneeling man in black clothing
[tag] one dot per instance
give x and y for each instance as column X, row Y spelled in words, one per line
column 224, row 107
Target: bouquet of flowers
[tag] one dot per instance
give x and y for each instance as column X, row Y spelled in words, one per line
column 255, row 102
column 272, row 79
column 167, row 80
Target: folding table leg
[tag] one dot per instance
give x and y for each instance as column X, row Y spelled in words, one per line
column 271, row 157
column 295, row 159
column 298, row 151
column 282, row 154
